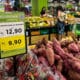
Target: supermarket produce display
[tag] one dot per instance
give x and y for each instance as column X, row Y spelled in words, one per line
column 46, row 26
column 29, row 44
column 48, row 60
column 65, row 52
column 36, row 21
column 45, row 60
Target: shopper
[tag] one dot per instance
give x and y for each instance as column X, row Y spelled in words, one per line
column 43, row 12
column 7, row 6
column 51, row 11
column 27, row 12
column 60, row 22
column 17, row 5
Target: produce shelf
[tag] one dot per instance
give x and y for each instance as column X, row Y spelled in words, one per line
column 36, row 33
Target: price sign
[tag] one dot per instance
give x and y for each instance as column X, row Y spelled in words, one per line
column 12, row 38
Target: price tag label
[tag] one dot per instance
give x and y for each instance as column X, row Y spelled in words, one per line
column 12, row 38
column 11, row 43
column 11, row 29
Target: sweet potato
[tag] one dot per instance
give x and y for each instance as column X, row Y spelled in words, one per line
column 77, row 55
column 50, row 56
column 78, row 44
column 61, row 76
column 65, row 49
column 70, row 56
column 43, row 61
column 50, row 42
column 42, row 52
column 72, row 64
column 44, row 41
column 56, row 42
column 58, row 50
column 73, row 47
column 70, row 60
column 60, row 65
column 39, row 51
column 57, row 57
column 49, row 45
column 73, row 75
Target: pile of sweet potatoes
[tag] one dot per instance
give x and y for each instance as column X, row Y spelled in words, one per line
column 64, row 56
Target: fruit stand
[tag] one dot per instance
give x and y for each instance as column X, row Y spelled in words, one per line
column 37, row 27
column 29, row 47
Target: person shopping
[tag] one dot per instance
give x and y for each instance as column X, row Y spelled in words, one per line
column 7, row 6
column 60, row 23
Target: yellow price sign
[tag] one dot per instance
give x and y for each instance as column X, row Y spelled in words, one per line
column 12, row 38
column 12, row 43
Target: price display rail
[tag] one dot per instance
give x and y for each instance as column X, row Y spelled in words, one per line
column 40, row 31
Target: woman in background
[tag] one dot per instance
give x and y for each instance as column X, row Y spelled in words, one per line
column 43, row 12
column 27, row 12
column 60, row 23
column 51, row 11
column 7, row 6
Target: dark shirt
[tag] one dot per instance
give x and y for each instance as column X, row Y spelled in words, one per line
column 58, row 8
column 42, row 12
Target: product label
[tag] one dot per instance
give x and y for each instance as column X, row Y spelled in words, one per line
column 14, row 42
column 12, row 38
column 11, row 29
column 12, row 35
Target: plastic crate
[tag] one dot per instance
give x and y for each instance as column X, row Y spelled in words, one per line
column 70, row 27
column 54, row 30
column 77, row 30
column 44, row 31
